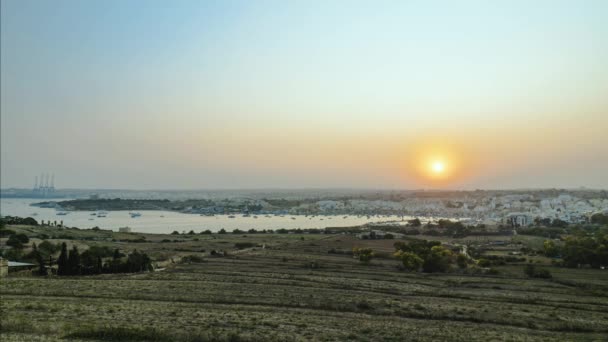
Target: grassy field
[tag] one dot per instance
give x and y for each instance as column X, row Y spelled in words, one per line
column 294, row 290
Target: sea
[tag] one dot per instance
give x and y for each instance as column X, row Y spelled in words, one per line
column 156, row 221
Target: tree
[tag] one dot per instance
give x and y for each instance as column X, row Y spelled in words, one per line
column 461, row 261
column 532, row 272
column 415, row 222
column 438, row 260
column 62, row 262
column 586, row 250
column 14, row 242
column 411, row 261
column 550, row 249
column 40, row 260
column 364, row 255
column 17, row 240
column 74, row 261
column 47, row 248
column 599, row 218
column 99, row 266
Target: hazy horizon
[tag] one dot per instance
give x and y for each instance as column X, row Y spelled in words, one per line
column 305, row 95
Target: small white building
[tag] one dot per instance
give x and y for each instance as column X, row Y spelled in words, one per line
column 519, row 219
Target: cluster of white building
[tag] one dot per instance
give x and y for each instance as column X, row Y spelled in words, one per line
column 519, row 209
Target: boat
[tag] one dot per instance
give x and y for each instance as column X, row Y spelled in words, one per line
column 93, row 214
column 102, row 214
column 135, row 214
column 255, row 217
column 231, row 216
column 62, row 213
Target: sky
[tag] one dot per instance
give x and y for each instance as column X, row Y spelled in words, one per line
column 304, row 94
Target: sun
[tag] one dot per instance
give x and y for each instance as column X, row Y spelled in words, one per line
column 438, row 167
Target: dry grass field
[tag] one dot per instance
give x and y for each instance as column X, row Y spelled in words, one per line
column 294, row 290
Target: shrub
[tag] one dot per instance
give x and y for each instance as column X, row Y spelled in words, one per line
column 193, row 258
column 17, row 240
column 243, row 245
column 461, row 261
column 6, row 232
column 484, row 263
column 364, row 255
column 532, row 272
column 411, row 261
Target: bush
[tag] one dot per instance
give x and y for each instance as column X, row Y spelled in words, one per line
column 6, row 232
column 532, row 272
column 364, row 255
column 48, row 248
column 411, row 261
column 17, row 240
column 243, row 245
column 193, row 258
column 484, row 263
column 493, row 271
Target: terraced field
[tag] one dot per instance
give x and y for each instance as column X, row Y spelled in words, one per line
column 297, row 291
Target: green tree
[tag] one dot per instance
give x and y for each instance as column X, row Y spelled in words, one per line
column 364, row 255
column 438, row 260
column 14, row 242
column 62, row 262
column 414, row 222
column 74, row 261
column 461, row 261
column 530, row 270
column 40, row 260
column 550, row 249
column 47, row 248
column 411, row 261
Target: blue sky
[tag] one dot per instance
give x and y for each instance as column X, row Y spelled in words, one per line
column 203, row 94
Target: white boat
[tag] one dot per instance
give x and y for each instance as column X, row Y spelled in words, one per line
column 62, row 213
column 135, row 214
column 102, row 214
